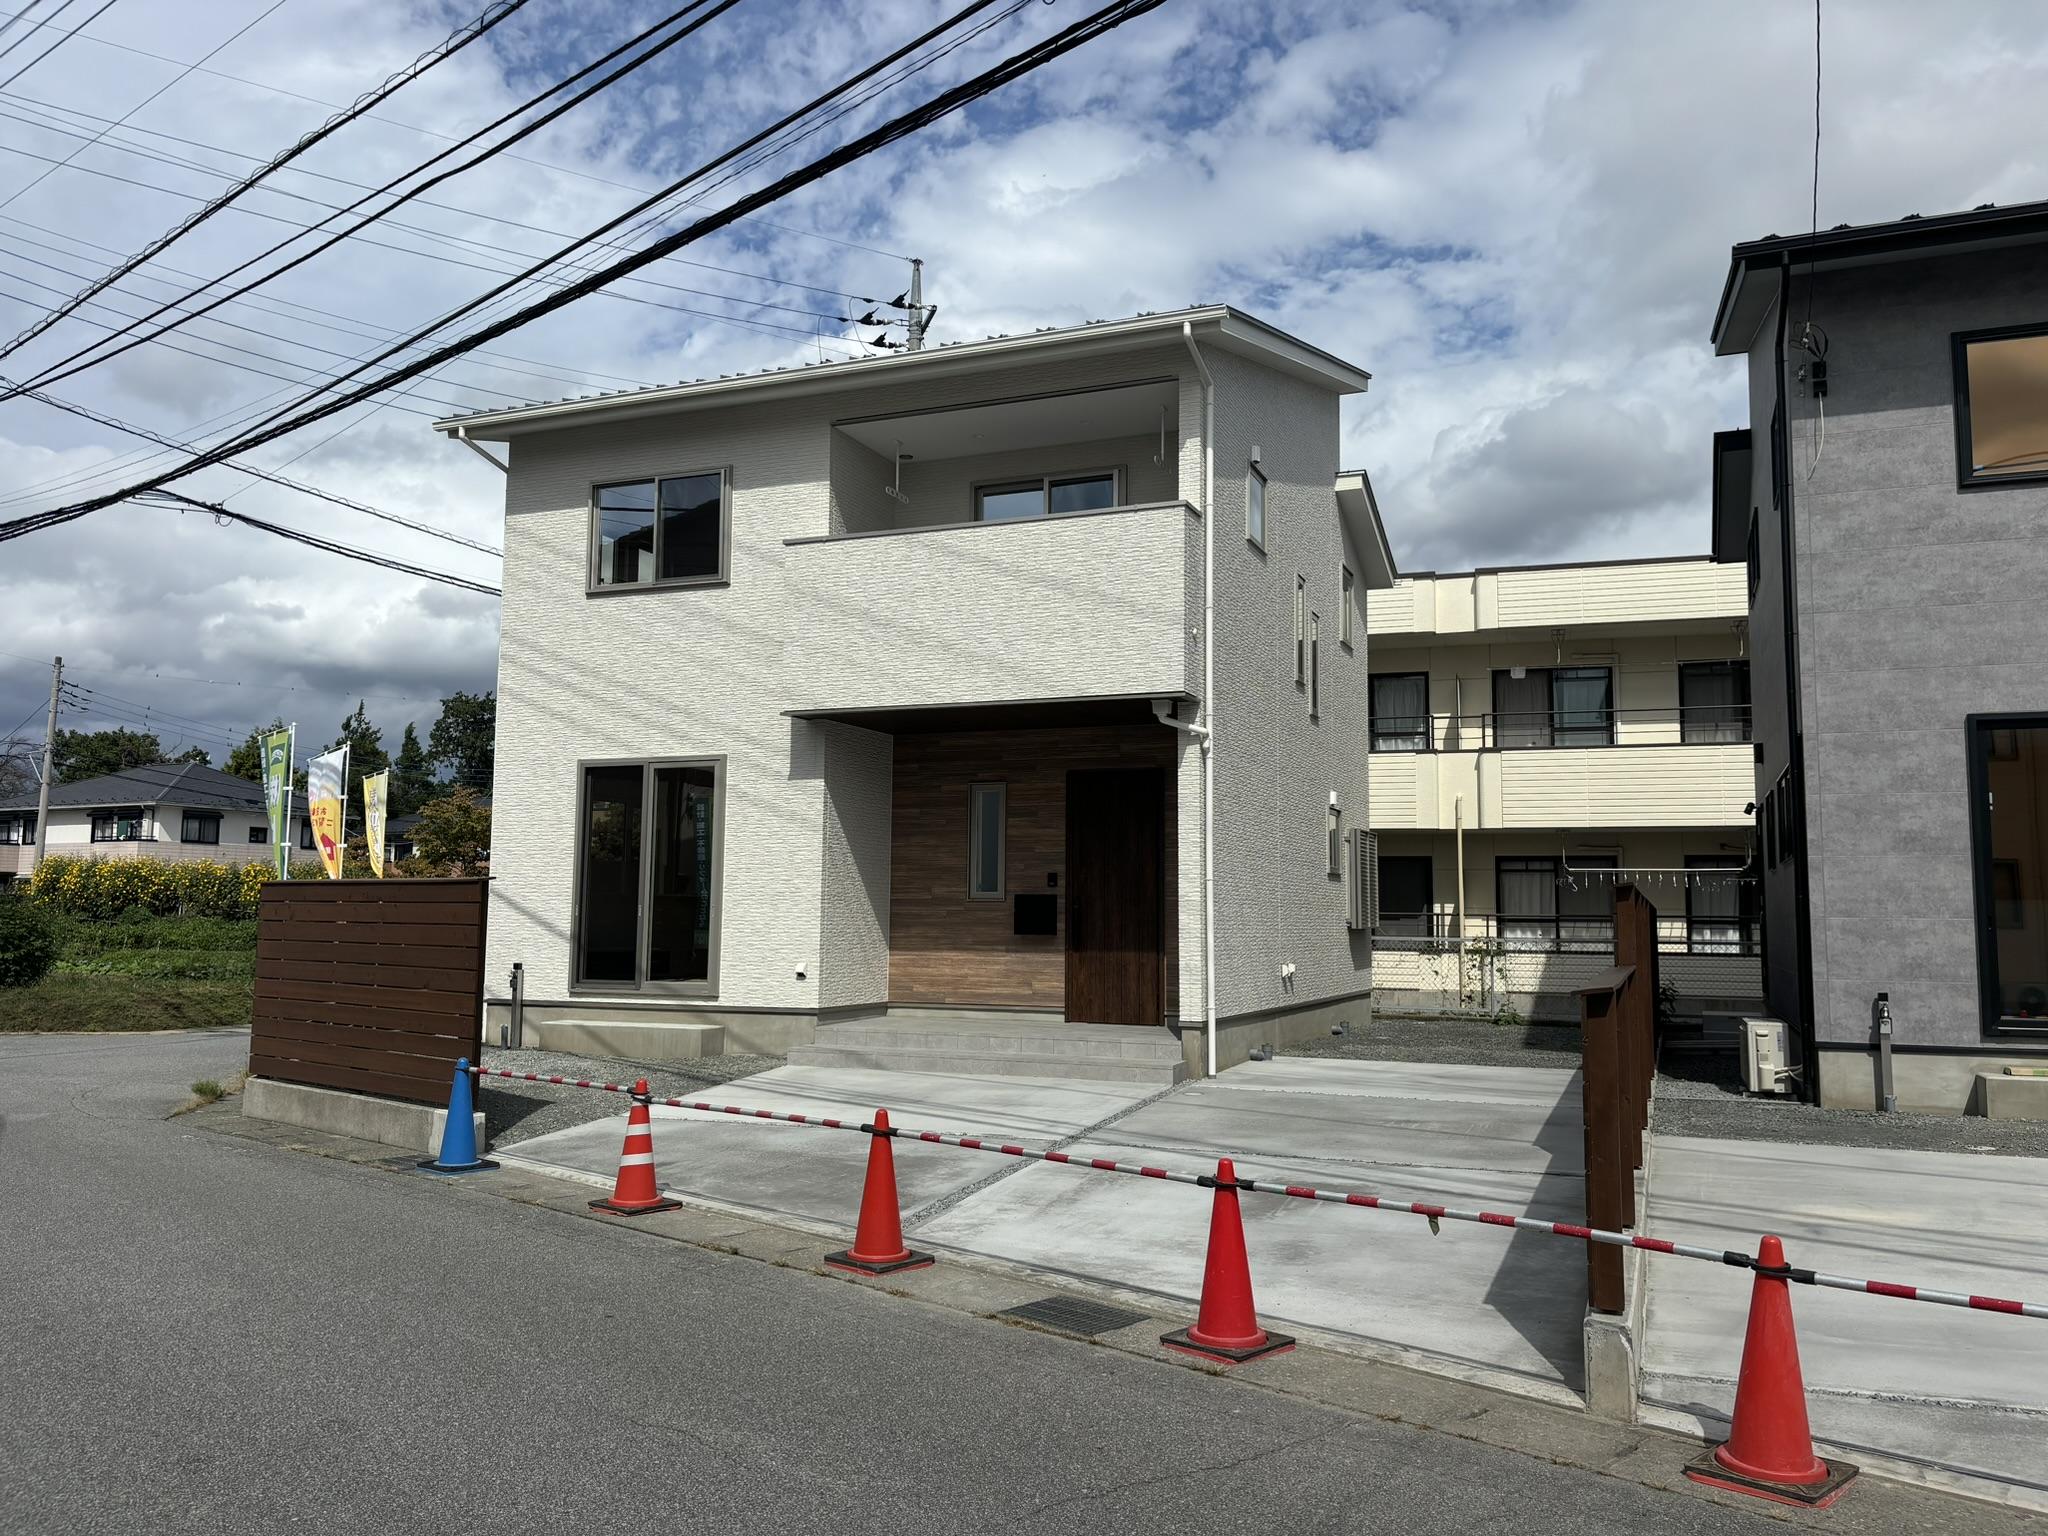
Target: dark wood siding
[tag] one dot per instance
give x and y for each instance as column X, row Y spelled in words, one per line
column 375, row 986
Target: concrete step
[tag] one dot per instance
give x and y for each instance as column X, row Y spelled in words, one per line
column 947, row 1037
column 627, row 1039
column 978, row 1062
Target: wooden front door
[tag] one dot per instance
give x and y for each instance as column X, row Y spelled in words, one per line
column 1116, row 896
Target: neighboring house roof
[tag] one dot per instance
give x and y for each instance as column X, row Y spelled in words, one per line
column 192, row 784
column 1212, row 324
column 1753, row 265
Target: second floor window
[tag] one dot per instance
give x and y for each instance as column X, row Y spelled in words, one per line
column 1347, row 588
column 1713, row 701
column 653, row 532
column 1398, row 703
column 2001, row 405
column 1255, row 505
column 1553, row 707
column 199, row 827
column 1045, row 495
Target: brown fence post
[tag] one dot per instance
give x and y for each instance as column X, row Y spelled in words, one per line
column 1610, row 1182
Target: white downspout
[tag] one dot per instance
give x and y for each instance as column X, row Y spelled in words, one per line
column 1187, row 334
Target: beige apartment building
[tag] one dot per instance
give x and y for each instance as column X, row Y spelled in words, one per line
column 1539, row 735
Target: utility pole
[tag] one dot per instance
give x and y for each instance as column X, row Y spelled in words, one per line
column 49, row 749
column 920, row 313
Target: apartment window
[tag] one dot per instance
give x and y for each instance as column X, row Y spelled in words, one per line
column 1045, row 495
column 1553, row 707
column 1713, row 701
column 17, row 829
column 987, row 820
column 1407, row 896
column 259, row 834
column 306, row 833
column 648, row 865
column 1545, row 903
column 1255, row 505
column 1720, row 905
column 650, row 533
column 1347, row 586
column 199, row 827
column 1315, row 665
column 1301, row 629
column 117, row 826
column 2001, row 383
column 1398, row 704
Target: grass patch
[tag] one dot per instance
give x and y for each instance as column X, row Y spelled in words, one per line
column 67, row 1000
column 208, row 1089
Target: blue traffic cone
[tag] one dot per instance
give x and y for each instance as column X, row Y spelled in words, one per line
column 458, row 1137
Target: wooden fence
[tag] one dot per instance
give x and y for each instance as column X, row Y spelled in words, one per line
column 1618, row 1042
column 375, row 986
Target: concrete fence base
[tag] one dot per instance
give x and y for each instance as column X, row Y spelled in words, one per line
column 415, row 1127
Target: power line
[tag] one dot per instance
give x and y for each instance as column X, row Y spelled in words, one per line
column 33, row 102
column 453, row 44
column 264, row 474
column 267, row 12
column 158, row 675
column 431, row 133
column 687, row 28
column 57, row 42
column 299, row 536
column 945, row 103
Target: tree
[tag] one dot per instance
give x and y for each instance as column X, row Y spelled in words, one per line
column 366, row 754
column 455, row 832
column 246, row 761
column 412, row 775
column 88, row 754
column 197, row 755
column 464, row 741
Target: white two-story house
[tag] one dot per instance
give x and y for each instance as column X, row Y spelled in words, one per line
column 155, row 811
column 1014, row 687
column 1540, row 735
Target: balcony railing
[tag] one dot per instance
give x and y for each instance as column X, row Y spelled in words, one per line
column 1565, row 934
column 1510, row 731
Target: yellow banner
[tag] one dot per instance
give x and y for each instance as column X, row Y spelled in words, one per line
column 326, row 781
column 375, row 789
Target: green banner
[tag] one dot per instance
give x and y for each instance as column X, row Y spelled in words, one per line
column 277, row 795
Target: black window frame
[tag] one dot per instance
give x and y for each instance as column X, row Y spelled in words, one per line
column 1414, row 925
column 260, row 833
column 1043, row 484
column 134, row 816
column 659, row 583
column 205, row 821
column 1748, row 919
column 1373, row 715
column 1967, row 478
column 1551, row 728
column 18, row 829
column 306, row 843
column 1738, row 667
column 1992, row 1024
column 1557, row 919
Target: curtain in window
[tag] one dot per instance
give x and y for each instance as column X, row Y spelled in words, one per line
column 1400, row 713
column 1713, row 907
column 1521, row 709
column 1713, row 704
column 1583, row 698
column 1527, row 895
column 1585, row 902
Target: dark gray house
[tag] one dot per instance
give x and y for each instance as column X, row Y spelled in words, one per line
column 1890, row 500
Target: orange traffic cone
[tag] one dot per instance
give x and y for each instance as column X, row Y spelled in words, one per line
column 1769, row 1450
column 635, row 1193
column 878, row 1246
column 1227, row 1326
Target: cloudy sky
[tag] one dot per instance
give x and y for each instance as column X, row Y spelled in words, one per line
column 1517, row 216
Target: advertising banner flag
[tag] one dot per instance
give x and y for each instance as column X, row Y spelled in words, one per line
column 326, row 784
column 375, row 789
column 277, row 795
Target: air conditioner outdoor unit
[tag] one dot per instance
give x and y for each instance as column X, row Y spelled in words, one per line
column 1764, row 1067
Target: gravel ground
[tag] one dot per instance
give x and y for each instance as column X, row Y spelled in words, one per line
column 520, row 1111
column 1698, row 1093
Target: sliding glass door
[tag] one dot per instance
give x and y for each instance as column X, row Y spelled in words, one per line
column 647, row 876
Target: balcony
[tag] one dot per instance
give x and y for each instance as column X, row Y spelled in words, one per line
column 1065, row 606
column 1661, row 767
column 1564, row 934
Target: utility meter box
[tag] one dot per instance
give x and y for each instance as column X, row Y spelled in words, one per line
column 1764, row 1065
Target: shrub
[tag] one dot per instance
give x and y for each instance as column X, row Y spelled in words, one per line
column 28, row 942
column 105, row 889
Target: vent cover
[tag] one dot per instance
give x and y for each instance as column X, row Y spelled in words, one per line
column 1071, row 1314
column 1365, row 879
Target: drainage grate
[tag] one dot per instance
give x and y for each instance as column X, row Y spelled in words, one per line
column 1070, row 1314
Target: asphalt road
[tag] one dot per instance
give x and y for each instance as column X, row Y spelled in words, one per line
column 201, row 1333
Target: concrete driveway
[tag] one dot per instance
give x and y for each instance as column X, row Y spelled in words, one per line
column 1928, row 1386
column 1481, row 1303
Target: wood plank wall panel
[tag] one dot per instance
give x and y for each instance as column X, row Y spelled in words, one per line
column 948, row 949
column 375, row 986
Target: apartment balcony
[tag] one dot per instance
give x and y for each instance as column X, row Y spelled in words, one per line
column 1620, row 768
column 1020, row 550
